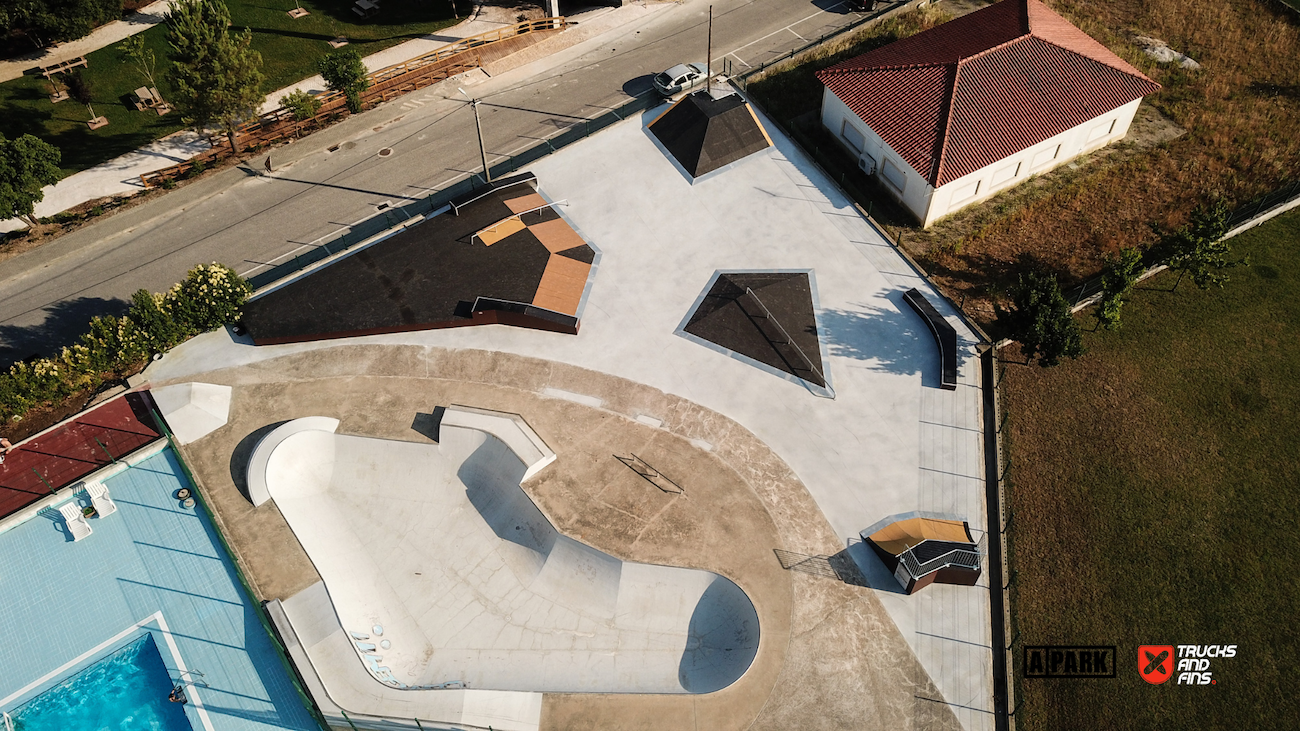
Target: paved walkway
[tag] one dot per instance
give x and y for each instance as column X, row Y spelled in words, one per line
column 121, row 175
column 105, row 35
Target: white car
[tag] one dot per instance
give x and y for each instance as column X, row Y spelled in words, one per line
column 681, row 77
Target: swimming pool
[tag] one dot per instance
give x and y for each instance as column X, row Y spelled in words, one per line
column 127, row 690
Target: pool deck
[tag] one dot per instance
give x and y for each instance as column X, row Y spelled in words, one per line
column 152, row 566
column 819, row 469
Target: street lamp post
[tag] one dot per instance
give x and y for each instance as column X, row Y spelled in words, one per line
column 482, row 151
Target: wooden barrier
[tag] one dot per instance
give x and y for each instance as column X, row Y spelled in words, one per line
column 385, row 84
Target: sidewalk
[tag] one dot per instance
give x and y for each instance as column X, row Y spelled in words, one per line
column 121, row 175
column 105, row 35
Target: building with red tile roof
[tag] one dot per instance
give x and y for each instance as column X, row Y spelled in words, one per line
column 957, row 113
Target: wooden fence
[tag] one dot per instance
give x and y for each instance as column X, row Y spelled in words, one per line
column 385, row 84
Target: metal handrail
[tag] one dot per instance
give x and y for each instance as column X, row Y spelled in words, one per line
column 790, row 341
column 968, row 558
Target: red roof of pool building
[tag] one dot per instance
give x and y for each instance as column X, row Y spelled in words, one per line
column 974, row 90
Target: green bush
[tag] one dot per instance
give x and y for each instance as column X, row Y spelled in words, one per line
column 303, row 105
column 210, row 296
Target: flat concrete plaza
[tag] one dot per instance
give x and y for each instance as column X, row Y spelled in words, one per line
column 765, row 462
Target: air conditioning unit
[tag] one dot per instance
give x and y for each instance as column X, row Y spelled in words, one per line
column 868, row 164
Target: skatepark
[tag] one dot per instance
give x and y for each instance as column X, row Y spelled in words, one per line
column 769, row 464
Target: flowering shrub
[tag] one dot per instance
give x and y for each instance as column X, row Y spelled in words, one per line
column 210, row 296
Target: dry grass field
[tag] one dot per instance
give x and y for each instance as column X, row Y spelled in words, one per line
column 1153, row 500
column 1241, row 112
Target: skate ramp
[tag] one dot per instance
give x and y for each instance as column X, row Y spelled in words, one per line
column 472, row 585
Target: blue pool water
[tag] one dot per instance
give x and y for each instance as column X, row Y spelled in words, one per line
column 126, row 691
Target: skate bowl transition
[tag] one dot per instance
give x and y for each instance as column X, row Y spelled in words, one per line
column 444, row 574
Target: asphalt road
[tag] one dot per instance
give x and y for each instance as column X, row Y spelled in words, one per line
column 248, row 220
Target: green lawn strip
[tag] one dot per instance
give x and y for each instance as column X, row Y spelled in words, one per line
column 25, row 108
column 289, row 48
column 1154, row 498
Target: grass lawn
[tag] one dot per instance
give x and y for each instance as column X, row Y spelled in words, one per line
column 289, row 48
column 1154, row 499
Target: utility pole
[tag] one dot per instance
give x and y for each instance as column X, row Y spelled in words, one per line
column 708, row 57
column 482, row 151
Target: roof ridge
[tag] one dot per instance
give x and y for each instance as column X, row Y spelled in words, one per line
column 1131, row 70
column 998, row 47
column 936, row 165
column 835, row 70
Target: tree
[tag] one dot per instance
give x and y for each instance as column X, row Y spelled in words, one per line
column 1117, row 280
column 1041, row 320
column 80, row 90
column 26, row 165
column 1199, row 248
column 143, row 57
column 57, row 20
column 343, row 71
column 303, row 105
column 216, row 77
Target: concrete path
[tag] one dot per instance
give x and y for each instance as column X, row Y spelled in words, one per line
column 105, row 35
column 121, row 175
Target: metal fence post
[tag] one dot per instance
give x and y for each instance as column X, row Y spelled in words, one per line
column 101, row 446
column 42, row 479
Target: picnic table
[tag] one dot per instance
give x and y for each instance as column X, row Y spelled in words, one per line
column 63, row 66
column 365, row 8
column 150, row 98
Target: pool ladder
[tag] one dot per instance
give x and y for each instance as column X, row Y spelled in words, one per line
column 9, row 723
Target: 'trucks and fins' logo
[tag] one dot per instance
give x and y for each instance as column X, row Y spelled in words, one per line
column 1156, row 663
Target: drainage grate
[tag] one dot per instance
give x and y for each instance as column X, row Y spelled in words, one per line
column 383, row 206
column 332, row 149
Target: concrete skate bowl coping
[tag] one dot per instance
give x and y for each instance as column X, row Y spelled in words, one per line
column 472, row 586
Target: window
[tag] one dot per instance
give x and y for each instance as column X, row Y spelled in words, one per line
column 894, row 175
column 966, row 192
column 852, row 136
column 1045, row 157
column 1006, row 173
column 1102, row 130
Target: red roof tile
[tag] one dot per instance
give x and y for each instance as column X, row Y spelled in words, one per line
column 972, row 91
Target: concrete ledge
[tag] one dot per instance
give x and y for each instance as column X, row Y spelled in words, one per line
column 257, row 491
column 510, row 429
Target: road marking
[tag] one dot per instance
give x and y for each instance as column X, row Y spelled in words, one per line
column 741, row 60
column 788, row 27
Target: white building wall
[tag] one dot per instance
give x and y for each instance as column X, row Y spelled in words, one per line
column 914, row 192
column 1046, row 155
column 929, row 204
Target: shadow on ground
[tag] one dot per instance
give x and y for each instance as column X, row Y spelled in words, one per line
column 243, row 453
column 64, row 324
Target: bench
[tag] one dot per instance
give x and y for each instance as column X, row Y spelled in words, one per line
column 944, row 335
column 62, row 66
